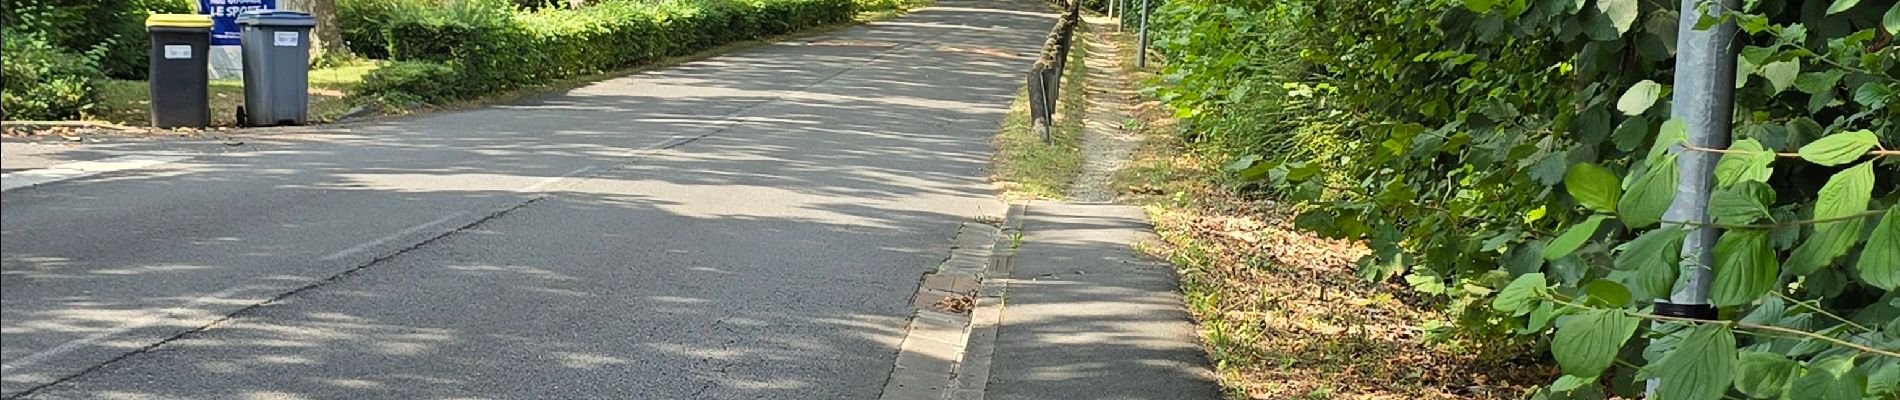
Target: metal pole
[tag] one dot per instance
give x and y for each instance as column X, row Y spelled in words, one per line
column 1704, row 100
column 1141, row 57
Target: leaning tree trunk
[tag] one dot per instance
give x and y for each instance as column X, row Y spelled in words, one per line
column 327, row 37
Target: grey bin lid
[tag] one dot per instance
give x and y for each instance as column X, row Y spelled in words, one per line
column 276, row 18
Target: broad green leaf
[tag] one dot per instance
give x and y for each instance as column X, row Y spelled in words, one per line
column 1649, row 195
column 1517, row 297
column 1607, row 293
column 1847, row 192
column 1631, row 133
column 1573, row 238
column 1840, row 148
column 1741, row 204
column 1653, row 257
column 1549, row 170
column 1873, row 94
column 1567, row 383
column 1745, row 161
column 1880, row 259
column 1700, row 368
column 1480, row 6
column 1816, row 82
column 1832, row 378
column 1673, row 132
column 1593, row 186
column 1892, row 20
column 1781, row 74
column 1841, row 5
column 1622, row 13
column 1639, row 97
column 1540, row 318
column 1744, row 267
column 1586, row 343
column 1765, row 375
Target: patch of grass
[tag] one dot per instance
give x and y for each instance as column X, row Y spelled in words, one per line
column 1281, row 313
column 873, row 10
column 128, row 103
column 1026, row 168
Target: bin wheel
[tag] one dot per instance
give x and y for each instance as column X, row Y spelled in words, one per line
column 241, row 121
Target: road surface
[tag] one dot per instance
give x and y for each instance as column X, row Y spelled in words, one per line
column 745, row 226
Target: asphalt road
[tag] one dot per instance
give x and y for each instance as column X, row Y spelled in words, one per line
column 745, row 226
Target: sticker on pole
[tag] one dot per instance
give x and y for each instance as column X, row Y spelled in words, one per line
column 284, row 39
column 177, row 51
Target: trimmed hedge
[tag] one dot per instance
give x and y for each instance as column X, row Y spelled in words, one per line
column 489, row 45
column 39, row 80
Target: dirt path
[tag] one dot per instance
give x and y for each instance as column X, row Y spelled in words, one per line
column 1106, row 145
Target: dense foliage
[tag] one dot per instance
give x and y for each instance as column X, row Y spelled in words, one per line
column 1514, row 157
column 115, row 27
column 480, row 46
column 43, row 81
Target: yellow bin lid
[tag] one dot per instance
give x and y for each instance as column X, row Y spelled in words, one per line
column 178, row 21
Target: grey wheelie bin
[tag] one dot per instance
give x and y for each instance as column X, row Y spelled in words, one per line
column 276, row 48
column 179, row 73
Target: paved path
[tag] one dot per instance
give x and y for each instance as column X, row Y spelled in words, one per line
column 747, row 226
column 1088, row 318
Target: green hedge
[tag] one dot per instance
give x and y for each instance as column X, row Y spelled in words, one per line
column 116, row 28
column 43, row 81
column 490, row 45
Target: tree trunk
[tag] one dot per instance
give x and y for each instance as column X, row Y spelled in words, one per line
column 327, row 37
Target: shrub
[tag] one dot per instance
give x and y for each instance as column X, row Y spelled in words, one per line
column 493, row 45
column 43, row 81
column 407, row 81
column 82, row 25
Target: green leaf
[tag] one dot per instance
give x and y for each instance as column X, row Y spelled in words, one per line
column 1649, row 196
column 1816, row 82
column 1567, row 383
column 1841, row 5
column 1880, row 259
column 1622, row 13
column 1765, row 375
column 1606, row 292
column 1840, row 148
column 1653, row 256
column 1517, row 297
column 1586, row 343
column 1631, row 133
column 1847, row 192
column 1593, row 186
column 1741, row 204
column 1873, row 94
column 1700, row 368
column 1746, row 160
column 1639, row 98
column 1550, row 169
column 1573, row 238
column 1745, row 267
column 1832, row 378
column 1673, row 132
column 1480, row 6
column 1781, row 74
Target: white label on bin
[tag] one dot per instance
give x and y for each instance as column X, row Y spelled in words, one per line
column 285, row 39
column 177, row 51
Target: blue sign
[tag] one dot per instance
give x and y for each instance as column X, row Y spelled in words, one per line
column 224, row 13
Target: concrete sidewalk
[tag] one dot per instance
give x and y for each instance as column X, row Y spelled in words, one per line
column 1087, row 318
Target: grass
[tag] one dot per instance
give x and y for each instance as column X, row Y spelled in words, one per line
column 1026, row 168
column 1281, row 314
column 126, row 102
